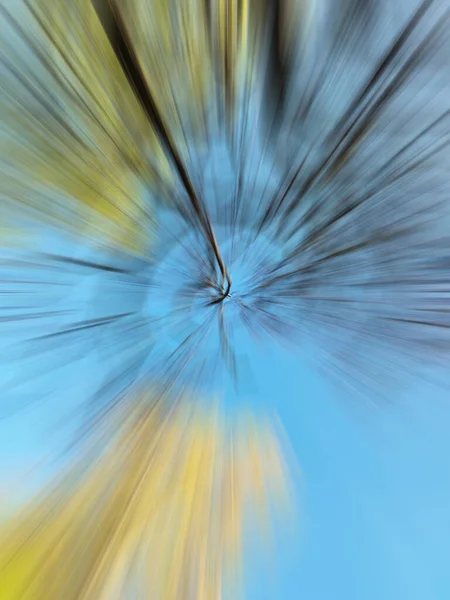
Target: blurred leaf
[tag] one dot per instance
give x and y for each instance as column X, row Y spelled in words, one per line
column 78, row 148
column 161, row 506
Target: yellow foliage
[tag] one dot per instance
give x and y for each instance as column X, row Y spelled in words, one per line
column 78, row 148
column 161, row 510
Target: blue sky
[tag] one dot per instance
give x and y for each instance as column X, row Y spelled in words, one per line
column 375, row 491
